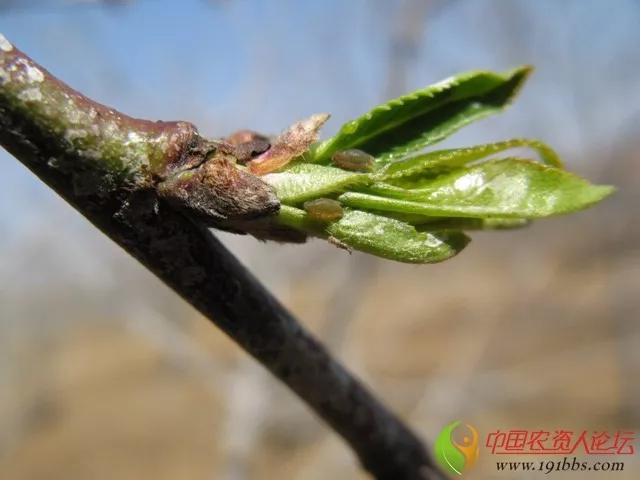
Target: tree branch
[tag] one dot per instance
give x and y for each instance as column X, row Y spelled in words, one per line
column 127, row 176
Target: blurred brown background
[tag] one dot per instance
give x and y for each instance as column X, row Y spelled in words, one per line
column 105, row 373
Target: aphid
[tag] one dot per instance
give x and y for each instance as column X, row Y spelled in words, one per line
column 324, row 209
column 353, row 159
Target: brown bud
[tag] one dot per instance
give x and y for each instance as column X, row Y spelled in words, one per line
column 219, row 192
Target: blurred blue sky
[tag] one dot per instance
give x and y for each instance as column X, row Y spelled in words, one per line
column 254, row 64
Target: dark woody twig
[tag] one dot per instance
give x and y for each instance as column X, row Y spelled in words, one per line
column 127, row 176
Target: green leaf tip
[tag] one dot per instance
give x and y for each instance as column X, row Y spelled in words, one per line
column 379, row 235
column 371, row 188
column 419, row 119
column 304, row 181
column 506, row 188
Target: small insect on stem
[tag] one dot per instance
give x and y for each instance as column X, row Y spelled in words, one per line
column 353, row 159
column 323, row 209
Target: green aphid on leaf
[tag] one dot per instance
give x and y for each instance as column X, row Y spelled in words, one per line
column 398, row 202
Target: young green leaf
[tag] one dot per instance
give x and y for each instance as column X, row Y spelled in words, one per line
column 509, row 188
column 464, row 223
column 425, row 223
column 414, row 121
column 393, row 239
column 412, row 208
column 379, row 235
column 304, row 181
column 459, row 157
